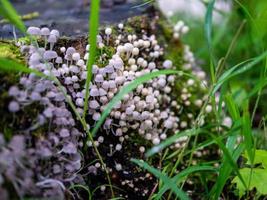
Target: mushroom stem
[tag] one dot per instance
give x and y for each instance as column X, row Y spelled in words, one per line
column 14, row 33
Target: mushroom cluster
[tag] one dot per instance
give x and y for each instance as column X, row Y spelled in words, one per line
column 148, row 110
column 179, row 29
column 53, row 159
column 151, row 111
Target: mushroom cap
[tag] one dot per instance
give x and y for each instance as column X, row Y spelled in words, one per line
column 70, row 51
column 34, row 31
column 64, row 133
column 95, row 69
column 13, row 91
column 59, row 60
column 118, row 64
column 69, row 148
column 45, row 31
column 80, row 63
column 99, row 40
column 129, row 47
column 76, row 56
column 102, row 92
column 13, row 106
column 94, row 104
column 120, row 26
column 99, row 78
column 105, row 85
column 94, row 92
column 167, row 64
column 55, row 33
column 112, row 84
column 63, row 49
column 74, row 69
column 108, row 31
column 52, row 39
column 109, row 69
column 96, row 116
column 48, row 55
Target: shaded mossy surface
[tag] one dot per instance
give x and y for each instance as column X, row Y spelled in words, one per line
column 173, row 51
column 22, row 120
column 8, row 49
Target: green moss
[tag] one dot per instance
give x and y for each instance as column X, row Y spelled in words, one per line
column 10, row 123
column 24, row 40
column 103, row 55
column 9, row 50
column 137, row 24
column 174, row 48
column 6, row 127
column 13, row 123
column 138, row 140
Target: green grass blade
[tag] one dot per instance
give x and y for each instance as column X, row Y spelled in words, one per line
column 10, row 66
column 9, row 13
column 82, row 187
column 208, row 34
column 130, row 87
column 224, row 174
column 232, row 108
column 258, row 87
column 237, row 70
column 247, row 133
column 229, row 159
column 144, row 4
column 171, row 140
column 221, row 64
column 93, row 29
column 166, row 180
column 208, row 24
column 176, row 179
column 232, row 69
column 232, row 136
column 208, row 142
column 249, row 16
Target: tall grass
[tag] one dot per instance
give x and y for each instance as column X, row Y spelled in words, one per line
column 92, row 41
column 170, row 183
column 9, row 13
column 242, row 126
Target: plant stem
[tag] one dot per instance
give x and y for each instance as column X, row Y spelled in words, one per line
column 92, row 40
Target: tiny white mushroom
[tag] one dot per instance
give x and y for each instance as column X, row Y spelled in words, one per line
column 118, row 147
column 167, row 64
column 99, row 78
column 94, row 92
column 96, row 116
column 45, row 31
column 108, row 31
column 118, row 167
column 120, row 26
column 35, row 31
column 94, row 104
column 156, row 141
column 49, row 55
column 76, row 56
column 208, row 108
column 142, row 149
column 135, row 51
column 13, row 106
